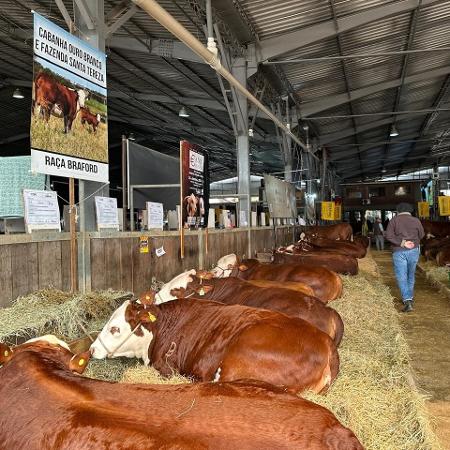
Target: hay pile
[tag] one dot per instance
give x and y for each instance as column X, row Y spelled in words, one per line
column 56, row 312
column 435, row 272
column 373, row 394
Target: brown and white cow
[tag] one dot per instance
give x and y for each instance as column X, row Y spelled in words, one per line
column 435, row 229
column 43, row 405
column 344, row 264
column 51, row 95
column 233, row 291
column 191, row 205
column 341, row 247
column 327, row 285
column 91, row 119
column 210, row 341
column 339, row 231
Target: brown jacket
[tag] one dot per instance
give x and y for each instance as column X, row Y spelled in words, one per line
column 404, row 227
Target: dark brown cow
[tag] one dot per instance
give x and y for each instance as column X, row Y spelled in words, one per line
column 50, row 94
column 339, row 231
column 335, row 262
column 443, row 256
column 91, row 119
column 430, row 247
column 342, row 247
column 211, row 341
column 326, row 284
column 44, row 406
column 233, row 291
column 363, row 241
column 436, row 229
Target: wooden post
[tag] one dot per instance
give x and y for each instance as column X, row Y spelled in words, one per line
column 73, row 237
column 181, row 203
column 124, row 183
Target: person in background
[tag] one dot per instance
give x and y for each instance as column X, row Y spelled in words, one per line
column 405, row 232
column 378, row 232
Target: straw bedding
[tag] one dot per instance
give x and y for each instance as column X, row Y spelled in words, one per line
column 372, row 395
column 435, row 272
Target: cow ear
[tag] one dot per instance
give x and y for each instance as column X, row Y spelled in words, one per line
column 203, row 289
column 205, row 275
column 5, row 353
column 147, row 298
column 146, row 316
column 79, row 362
column 243, row 268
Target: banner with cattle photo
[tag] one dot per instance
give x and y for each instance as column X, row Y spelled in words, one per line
column 69, row 128
column 194, row 185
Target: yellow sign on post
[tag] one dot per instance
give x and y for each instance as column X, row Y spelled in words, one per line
column 423, row 209
column 444, row 206
column 328, row 210
column 337, row 211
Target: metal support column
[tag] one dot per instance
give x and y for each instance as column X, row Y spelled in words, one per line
column 239, row 71
column 89, row 20
column 288, row 150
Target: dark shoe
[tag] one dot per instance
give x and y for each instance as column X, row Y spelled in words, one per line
column 408, row 306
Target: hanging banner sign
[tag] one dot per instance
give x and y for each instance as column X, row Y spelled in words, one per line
column 194, row 185
column 337, row 211
column 423, row 209
column 41, row 210
column 69, row 130
column 444, row 206
column 328, row 211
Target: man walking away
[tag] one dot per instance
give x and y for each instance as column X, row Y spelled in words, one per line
column 405, row 232
column 378, row 232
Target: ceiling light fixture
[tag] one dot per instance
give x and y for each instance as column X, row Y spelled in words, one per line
column 393, row 132
column 18, row 93
column 183, row 112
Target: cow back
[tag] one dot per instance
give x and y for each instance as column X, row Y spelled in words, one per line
column 326, row 284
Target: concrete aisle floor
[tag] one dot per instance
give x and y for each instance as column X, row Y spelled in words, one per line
column 427, row 330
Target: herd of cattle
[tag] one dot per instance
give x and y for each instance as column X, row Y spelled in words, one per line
column 251, row 335
column 436, row 243
column 53, row 98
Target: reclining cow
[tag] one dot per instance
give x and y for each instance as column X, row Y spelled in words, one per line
column 51, row 95
column 43, row 405
column 327, row 285
column 233, row 291
column 344, row 264
column 342, row 247
column 339, row 231
column 210, row 341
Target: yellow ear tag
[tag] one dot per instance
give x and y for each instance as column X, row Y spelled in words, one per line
column 151, row 317
column 6, row 353
column 81, row 362
column 201, row 291
column 147, row 297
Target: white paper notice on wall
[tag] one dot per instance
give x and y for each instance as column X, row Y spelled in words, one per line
column 155, row 216
column 106, row 212
column 160, row 251
column 41, row 210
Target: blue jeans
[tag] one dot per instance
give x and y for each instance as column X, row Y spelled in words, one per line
column 405, row 262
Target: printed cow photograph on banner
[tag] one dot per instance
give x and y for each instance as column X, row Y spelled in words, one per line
column 69, row 104
column 195, row 185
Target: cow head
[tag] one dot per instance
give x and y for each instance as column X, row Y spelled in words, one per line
column 82, row 97
column 174, row 288
column 226, row 265
column 191, row 204
column 48, row 344
column 129, row 332
column 99, row 118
